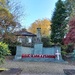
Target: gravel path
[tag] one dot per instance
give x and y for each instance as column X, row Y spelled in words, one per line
column 38, row 68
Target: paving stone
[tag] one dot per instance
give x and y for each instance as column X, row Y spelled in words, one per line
column 12, row 71
column 69, row 71
column 38, row 67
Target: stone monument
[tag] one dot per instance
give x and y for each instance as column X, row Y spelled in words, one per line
column 38, row 38
column 38, row 44
column 38, row 52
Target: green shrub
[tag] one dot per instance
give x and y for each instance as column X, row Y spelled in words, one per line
column 63, row 52
column 46, row 41
column 3, row 51
column 64, row 47
column 67, row 48
column 70, row 48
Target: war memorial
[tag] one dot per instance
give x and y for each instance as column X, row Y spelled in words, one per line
column 37, row 52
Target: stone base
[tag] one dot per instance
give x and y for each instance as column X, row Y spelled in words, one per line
column 38, row 48
column 43, row 60
column 17, row 57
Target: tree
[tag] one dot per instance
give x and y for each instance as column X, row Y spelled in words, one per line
column 70, row 13
column 3, row 3
column 57, row 26
column 44, row 24
column 69, row 40
column 16, row 9
column 8, row 23
column 70, row 8
column 70, row 37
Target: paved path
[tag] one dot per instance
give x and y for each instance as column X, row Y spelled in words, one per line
column 38, row 68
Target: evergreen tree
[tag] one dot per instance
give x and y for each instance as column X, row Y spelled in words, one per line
column 57, row 27
column 70, row 8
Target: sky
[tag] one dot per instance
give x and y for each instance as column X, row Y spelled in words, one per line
column 36, row 9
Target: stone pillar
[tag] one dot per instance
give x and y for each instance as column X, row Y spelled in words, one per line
column 38, row 38
column 38, row 44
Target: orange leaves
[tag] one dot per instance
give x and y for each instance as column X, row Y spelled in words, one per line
column 44, row 24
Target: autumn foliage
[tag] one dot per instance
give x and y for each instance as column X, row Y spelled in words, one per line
column 44, row 24
column 70, row 37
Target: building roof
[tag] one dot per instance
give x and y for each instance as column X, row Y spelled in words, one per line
column 24, row 33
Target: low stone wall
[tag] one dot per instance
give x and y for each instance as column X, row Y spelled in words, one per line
column 37, row 50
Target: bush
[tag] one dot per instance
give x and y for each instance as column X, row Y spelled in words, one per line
column 70, row 48
column 3, row 51
column 63, row 53
column 64, row 47
column 67, row 48
column 46, row 41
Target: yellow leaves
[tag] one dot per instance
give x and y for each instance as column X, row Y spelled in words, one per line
column 5, row 12
column 3, row 51
column 43, row 24
column 3, row 2
column 6, row 19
